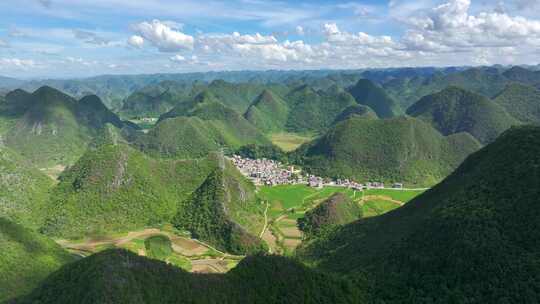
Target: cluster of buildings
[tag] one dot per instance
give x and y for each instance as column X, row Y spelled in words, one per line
column 266, row 171
column 270, row 172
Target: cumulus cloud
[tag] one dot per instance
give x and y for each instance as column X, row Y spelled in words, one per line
column 165, row 36
column 136, row 41
column 451, row 26
column 300, row 30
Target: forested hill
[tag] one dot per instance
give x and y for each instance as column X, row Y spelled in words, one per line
column 471, row 239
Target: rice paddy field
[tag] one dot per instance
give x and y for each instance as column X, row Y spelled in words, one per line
column 287, row 203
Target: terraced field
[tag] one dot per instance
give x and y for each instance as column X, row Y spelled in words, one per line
column 184, row 252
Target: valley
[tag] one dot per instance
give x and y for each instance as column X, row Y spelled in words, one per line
column 272, row 187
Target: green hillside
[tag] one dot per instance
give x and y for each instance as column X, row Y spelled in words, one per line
column 24, row 190
column 154, row 100
column 181, row 137
column 367, row 93
column 203, row 124
column 521, row 101
column 237, row 96
column 471, row 239
column 117, row 188
column 484, row 81
column 118, row 276
column 26, row 259
column 268, row 112
column 390, row 150
column 224, row 211
column 314, row 111
column 455, row 110
column 522, row 75
column 356, row 111
column 337, row 210
column 52, row 128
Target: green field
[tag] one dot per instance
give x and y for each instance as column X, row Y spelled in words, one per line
column 290, row 141
column 377, row 207
column 398, row 195
column 288, row 203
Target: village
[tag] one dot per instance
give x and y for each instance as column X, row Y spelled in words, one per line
column 269, row 172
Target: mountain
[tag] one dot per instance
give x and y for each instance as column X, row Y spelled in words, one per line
column 181, row 137
column 51, row 128
column 337, row 210
column 522, row 75
column 119, row 276
column 8, row 82
column 356, row 111
column 455, row 110
column 24, row 190
column 26, row 259
column 367, row 93
column 473, row 238
column 314, row 111
column 521, row 101
column 114, row 187
column 224, row 211
column 486, row 81
column 203, row 124
column 401, row 149
column 156, row 99
column 268, row 112
column 237, row 96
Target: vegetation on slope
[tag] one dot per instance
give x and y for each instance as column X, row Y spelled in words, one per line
column 24, row 190
column 367, row 93
column 118, row 276
column 471, row 239
column 484, row 81
column 455, row 110
column 521, row 101
column 314, row 111
column 52, row 128
column 268, row 112
column 154, row 100
column 337, row 210
column 391, row 150
column 224, row 211
column 206, row 126
column 356, row 111
column 116, row 188
column 26, row 259
column 181, row 137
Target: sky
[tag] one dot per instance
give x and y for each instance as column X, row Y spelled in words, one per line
column 80, row 38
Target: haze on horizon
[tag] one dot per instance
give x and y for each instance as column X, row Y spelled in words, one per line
column 76, row 38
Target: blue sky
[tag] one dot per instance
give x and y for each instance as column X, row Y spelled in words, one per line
column 76, row 38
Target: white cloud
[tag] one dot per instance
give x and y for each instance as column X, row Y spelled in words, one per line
column 300, row 30
column 451, row 26
column 136, row 41
column 177, row 58
column 17, row 63
column 163, row 36
column 330, row 29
